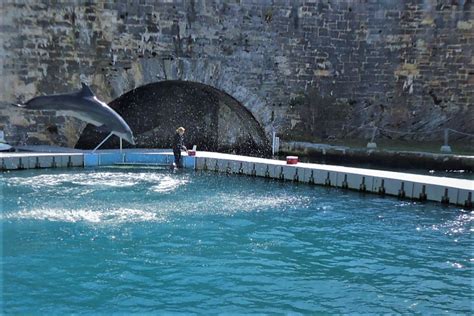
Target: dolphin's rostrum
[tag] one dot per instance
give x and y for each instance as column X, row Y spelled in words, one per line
column 85, row 106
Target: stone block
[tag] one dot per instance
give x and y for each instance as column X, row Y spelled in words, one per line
column 274, row 171
column 419, row 191
column 252, row 169
column 263, row 170
column 23, row 163
column 341, row 25
column 213, row 164
column 200, row 161
column 306, row 175
column 41, row 162
column 323, row 32
column 240, row 167
column 401, row 189
column 278, row 172
column 225, row 165
column 76, row 160
column 378, row 185
column 58, row 161
column 465, row 198
column 287, row 173
column 298, row 175
column 209, row 164
column 327, row 178
column 222, row 165
column 33, row 162
column 247, row 168
column 441, row 193
column 355, row 182
column 10, row 163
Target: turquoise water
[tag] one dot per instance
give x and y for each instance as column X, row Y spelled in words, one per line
column 147, row 241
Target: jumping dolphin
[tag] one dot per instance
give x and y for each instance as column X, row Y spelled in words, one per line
column 85, row 106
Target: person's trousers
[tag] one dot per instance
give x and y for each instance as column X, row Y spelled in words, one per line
column 177, row 157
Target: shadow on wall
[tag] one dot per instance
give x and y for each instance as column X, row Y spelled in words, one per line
column 214, row 120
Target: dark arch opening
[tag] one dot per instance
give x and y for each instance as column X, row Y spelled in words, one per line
column 213, row 119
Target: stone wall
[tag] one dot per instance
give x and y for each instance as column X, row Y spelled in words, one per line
column 313, row 69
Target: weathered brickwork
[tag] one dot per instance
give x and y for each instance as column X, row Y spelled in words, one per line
column 313, row 69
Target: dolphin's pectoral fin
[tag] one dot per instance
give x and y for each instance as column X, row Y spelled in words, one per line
column 102, row 128
column 86, row 91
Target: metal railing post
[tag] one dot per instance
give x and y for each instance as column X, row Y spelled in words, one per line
column 105, row 139
column 372, row 144
column 446, row 148
column 273, row 143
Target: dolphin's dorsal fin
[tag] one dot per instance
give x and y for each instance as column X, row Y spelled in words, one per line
column 86, row 91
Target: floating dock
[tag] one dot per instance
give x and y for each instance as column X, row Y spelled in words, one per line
column 402, row 185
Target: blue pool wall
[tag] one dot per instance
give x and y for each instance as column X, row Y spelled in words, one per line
column 107, row 159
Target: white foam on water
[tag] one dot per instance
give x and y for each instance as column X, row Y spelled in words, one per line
column 255, row 202
column 77, row 186
column 168, row 184
column 106, row 216
column 96, row 179
column 224, row 203
column 36, row 181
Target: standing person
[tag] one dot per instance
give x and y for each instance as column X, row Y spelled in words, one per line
column 178, row 145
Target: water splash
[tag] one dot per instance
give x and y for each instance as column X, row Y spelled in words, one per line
column 97, row 179
column 105, row 216
column 458, row 225
column 168, row 184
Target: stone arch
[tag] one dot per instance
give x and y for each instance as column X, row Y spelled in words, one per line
column 208, row 71
column 214, row 120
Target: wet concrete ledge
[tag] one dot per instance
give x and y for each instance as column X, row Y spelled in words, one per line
column 399, row 184
column 379, row 158
column 34, row 160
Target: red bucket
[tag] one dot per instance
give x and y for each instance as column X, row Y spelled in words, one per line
column 291, row 160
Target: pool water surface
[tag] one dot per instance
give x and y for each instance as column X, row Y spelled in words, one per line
column 145, row 240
